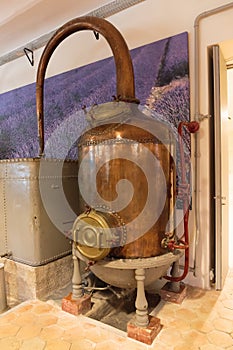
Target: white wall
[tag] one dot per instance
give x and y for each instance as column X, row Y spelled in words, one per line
column 144, row 23
column 230, row 157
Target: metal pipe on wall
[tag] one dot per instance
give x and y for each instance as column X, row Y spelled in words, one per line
column 199, row 117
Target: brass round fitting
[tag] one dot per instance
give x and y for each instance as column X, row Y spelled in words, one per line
column 92, row 234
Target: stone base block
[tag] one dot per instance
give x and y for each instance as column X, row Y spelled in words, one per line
column 24, row 282
column 168, row 294
column 145, row 335
column 76, row 307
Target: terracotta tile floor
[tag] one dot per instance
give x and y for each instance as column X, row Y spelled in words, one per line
column 203, row 321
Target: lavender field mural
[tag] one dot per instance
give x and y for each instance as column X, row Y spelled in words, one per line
column 161, row 81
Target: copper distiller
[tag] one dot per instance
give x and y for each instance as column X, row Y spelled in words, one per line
column 127, row 182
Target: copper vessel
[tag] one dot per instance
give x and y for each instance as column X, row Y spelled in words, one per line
column 117, row 150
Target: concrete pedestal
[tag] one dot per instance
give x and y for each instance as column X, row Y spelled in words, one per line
column 24, row 282
column 76, row 306
column 168, row 294
column 3, row 302
column 146, row 334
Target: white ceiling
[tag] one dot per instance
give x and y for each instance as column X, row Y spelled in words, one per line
column 13, row 8
column 22, row 21
column 17, row 17
column 10, row 9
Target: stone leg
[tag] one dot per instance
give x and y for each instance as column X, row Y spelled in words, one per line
column 76, row 302
column 144, row 328
column 141, row 304
column 175, row 286
column 174, row 292
column 77, row 291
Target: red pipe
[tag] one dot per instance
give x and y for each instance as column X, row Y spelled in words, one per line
column 184, row 191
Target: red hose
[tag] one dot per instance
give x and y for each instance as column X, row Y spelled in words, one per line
column 184, row 189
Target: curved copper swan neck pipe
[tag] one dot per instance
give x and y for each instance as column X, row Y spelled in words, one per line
column 124, row 68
